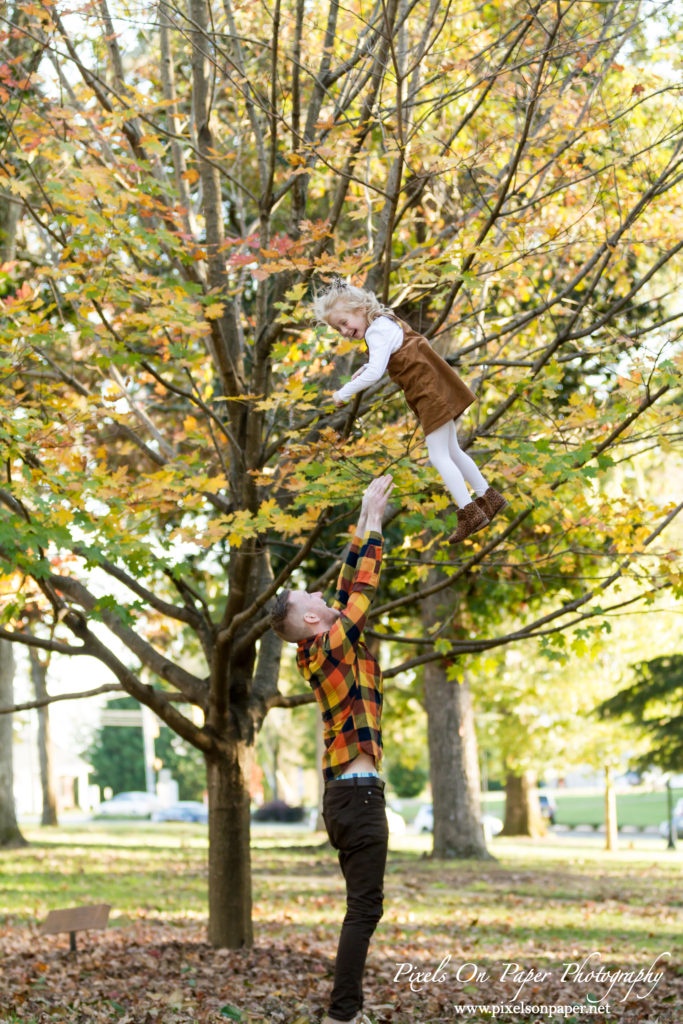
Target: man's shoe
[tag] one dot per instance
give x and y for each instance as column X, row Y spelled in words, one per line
column 471, row 517
column 491, row 502
column 360, row 1018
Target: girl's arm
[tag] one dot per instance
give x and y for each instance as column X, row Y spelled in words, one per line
column 384, row 337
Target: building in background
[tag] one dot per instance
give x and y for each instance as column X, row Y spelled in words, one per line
column 70, row 775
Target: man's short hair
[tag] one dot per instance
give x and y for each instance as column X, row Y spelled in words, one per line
column 278, row 615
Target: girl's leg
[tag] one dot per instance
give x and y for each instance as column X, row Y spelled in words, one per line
column 465, row 464
column 440, row 458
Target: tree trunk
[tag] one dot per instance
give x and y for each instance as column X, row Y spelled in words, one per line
column 39, row 678
column 9, row 223
column 454, row 769
column 522, row 808
column 229, row 854
column 9, row 830
column 237, row 707
column 453, row 758
column 611, row 831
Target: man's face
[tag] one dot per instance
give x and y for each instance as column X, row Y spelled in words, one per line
column 311, row 611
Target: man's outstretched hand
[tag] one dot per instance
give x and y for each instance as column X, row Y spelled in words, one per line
column 374, row 503
column 377, row 493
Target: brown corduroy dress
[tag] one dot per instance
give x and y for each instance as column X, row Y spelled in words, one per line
column 433, row 390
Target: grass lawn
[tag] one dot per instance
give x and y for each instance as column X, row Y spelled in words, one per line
column 545, row 907
column 635, row 808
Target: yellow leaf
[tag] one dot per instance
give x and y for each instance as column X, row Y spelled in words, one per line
column 267, row 507
column 19, row 188
column 213, row 311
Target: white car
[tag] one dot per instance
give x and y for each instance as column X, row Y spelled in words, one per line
column 424, row 822
column 134, row 804
column 424, row 819
column 396, row 823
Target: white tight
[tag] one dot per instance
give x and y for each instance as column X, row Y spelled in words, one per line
column 453, row 465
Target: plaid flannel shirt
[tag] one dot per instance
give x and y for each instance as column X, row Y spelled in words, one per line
column 338, row 666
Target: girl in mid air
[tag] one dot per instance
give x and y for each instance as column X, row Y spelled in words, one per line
column 432, row 388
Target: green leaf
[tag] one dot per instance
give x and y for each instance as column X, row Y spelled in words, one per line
column 231, row 1011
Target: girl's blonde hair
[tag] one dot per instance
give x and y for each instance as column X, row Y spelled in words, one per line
column 348, row 298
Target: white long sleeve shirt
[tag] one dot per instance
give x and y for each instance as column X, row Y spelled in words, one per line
column 384, row 337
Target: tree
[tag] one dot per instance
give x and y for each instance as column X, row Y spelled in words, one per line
column 171, row 461
column 654, row 704
column 10, row 834
column 522, row 807
column 453, row 755
column 406, row 754
column 39, row 668
column 407, row 780
column 184, row 762
column 117, row 754
column 538, row 709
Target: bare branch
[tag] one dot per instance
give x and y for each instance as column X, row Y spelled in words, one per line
column 159, row 702
column 534, row 629
column 29, row 640
column 267, row 187
column 247, row 93
column 169, row 88
column 192, row 686
column 43, row 701
column 646, row 402
column 505, row 186
column 173, row 611
column 228, row 633
column 294, row 700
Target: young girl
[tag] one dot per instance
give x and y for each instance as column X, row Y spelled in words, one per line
column 433, row 391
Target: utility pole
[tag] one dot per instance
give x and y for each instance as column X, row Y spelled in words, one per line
column 673, row 828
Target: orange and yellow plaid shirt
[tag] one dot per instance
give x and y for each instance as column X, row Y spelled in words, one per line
column 338, row 666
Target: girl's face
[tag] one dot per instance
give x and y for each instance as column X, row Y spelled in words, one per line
column 351, row 325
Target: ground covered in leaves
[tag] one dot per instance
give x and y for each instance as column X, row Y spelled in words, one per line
column 514, row 937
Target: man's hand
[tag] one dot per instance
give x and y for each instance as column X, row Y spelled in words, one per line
column 375, row 501
column 375, row 490
column 337, row 401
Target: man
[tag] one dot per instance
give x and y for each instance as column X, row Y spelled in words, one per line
column 347, row 681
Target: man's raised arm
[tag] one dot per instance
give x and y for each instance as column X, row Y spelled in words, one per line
column 348, row 628
column 373, row 505
column 348, row 569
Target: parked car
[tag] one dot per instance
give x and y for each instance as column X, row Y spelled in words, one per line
column 129, row 805
column 395, row 821
column 278, row 810
column 548, row 806
column 424, row 822
column 183, row 810
column 664, row 828
column 629, row 779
